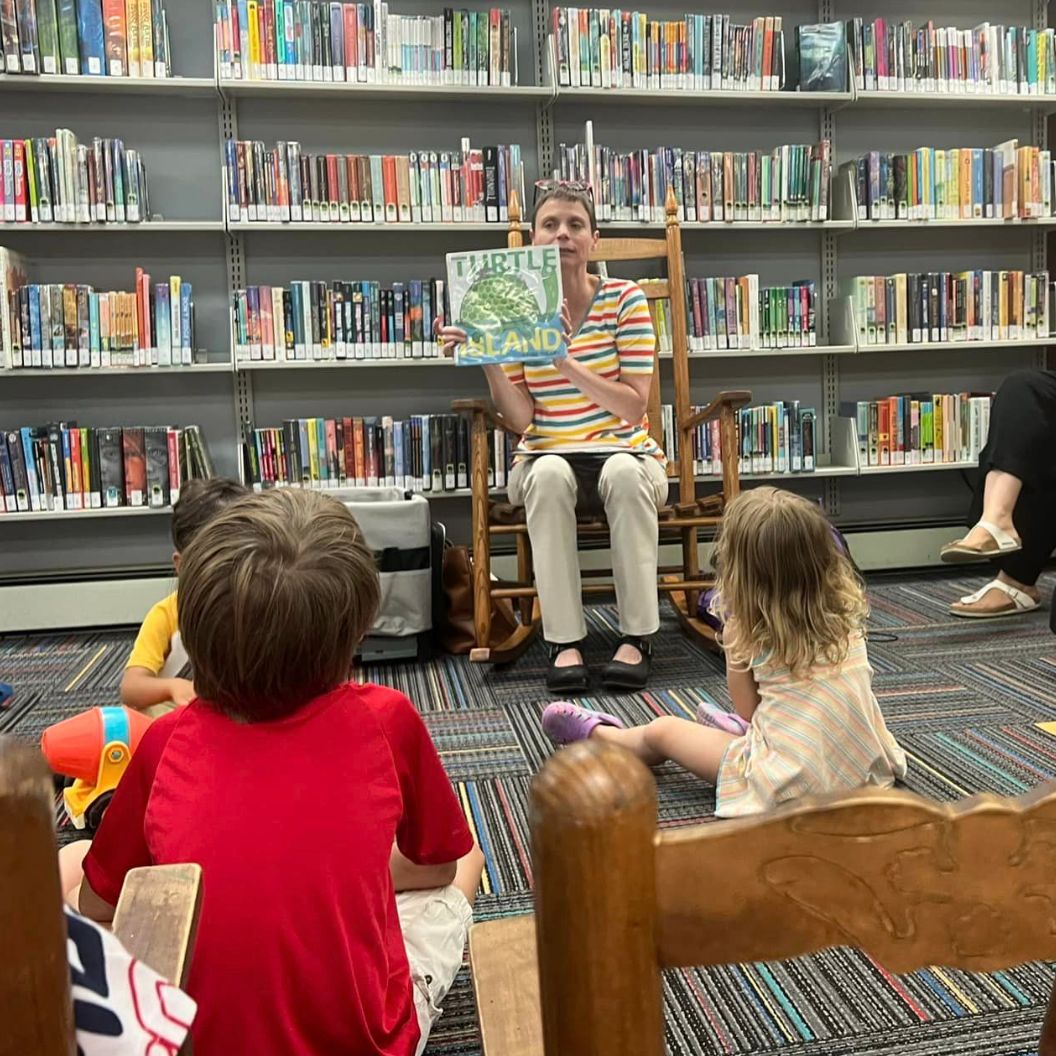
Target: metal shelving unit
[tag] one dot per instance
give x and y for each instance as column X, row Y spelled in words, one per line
column 180, row 123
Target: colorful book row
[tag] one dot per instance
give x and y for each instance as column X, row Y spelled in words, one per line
column 790, row 184
column 327, row 42
column 342, row 320
column 75, row 326
column 609, row 48
column 425, row 453
column 772, row 438
column 737, row 313
column 462, row 186
column 94, row 38
column 920, row 429
column 61, row 466
column 62, row 181
column 989, row 59
column 969, row 183
column 928, row 307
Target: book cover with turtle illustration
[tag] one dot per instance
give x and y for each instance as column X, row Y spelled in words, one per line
column 509, row 303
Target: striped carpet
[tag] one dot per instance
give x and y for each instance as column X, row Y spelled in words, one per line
column 963, row 698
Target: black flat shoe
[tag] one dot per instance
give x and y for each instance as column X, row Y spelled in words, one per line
column 618, row 675
column 567, row 679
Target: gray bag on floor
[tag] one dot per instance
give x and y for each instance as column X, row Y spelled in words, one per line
column 397, row 527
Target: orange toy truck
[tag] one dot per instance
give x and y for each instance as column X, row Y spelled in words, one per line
column 93, row 748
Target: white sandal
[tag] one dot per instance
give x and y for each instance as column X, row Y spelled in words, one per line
column 1021, row 602
column 957, row 553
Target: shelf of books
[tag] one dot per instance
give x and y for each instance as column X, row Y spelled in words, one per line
column 761, row 123
column 78, row 84
column 496, row 94
column 145, row 227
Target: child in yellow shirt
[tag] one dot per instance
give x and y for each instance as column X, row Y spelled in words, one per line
column 152, row 681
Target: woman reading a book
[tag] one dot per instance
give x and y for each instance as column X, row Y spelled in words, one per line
column 1014, row 508
column 585, row 445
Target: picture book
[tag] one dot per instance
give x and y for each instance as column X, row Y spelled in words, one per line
column 509, row 303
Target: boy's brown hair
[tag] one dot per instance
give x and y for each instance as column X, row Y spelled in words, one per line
column 275, row 593
column 200, row 501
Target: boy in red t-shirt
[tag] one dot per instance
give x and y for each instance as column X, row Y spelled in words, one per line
column 309, row 801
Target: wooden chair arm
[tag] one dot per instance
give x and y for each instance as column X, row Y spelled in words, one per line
column 482, row 407
column 157, row 917
column 733, row 400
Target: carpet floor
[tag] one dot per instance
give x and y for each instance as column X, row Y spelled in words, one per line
column 964, row 698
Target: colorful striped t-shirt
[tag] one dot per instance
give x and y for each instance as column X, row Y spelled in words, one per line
column 615, row 340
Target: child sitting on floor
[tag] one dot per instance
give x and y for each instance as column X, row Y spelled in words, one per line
column 806, row 720
column 309, row 801
column 151, row 682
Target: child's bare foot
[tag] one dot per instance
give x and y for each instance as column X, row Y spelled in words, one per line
column 564, row 722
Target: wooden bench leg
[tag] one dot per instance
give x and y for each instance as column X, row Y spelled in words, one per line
column 593, row 821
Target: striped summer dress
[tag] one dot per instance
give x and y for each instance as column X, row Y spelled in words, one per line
column 808, row 736
column 615, row 340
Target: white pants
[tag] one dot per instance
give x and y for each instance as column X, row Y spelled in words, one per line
column 632, row 489
column 435, row 925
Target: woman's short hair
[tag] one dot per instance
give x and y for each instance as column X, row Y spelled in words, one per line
column 275, row 594
column 561, row 192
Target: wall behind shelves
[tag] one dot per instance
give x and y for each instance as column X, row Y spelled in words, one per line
column 179, row 141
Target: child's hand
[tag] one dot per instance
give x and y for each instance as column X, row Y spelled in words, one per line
column 182, row 691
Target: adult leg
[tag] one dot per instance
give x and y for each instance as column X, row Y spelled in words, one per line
column 1017, row 464
column 1036, row 520
column 699, row 749
column 630, row 487
column 1017, row 454
column 546, row 486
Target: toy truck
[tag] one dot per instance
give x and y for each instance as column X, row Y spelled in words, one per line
column 93, row 748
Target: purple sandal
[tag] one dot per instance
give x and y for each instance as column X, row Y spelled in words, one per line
column 565, row 722
column 727, row 721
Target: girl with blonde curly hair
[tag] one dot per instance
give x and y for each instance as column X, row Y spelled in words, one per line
column 805, row 717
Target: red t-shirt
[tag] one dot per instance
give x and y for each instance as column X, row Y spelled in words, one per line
column 299, row 945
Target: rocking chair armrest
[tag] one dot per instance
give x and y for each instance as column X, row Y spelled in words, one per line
column 491, row 416
column 733, row 401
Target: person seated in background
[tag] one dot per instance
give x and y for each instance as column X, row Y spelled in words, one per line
column 1013, row 511
column 151, row 682
column 586, row 444
column 338, row 869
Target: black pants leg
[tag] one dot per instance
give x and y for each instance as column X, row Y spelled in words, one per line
column 1022, row 441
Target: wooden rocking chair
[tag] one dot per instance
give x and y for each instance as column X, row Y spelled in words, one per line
column 912, row 882
column 680, row 522
column 156, row 917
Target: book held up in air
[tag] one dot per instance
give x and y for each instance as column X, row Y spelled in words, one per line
column 509, row 303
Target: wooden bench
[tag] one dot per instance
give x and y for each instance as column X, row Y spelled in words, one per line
column 971, row 885
column 155, row 919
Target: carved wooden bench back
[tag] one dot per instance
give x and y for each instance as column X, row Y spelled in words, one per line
column 913, row 882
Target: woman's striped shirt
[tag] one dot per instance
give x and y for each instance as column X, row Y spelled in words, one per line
column 616, row 340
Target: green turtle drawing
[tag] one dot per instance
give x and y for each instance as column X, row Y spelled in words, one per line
column 495, row 302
